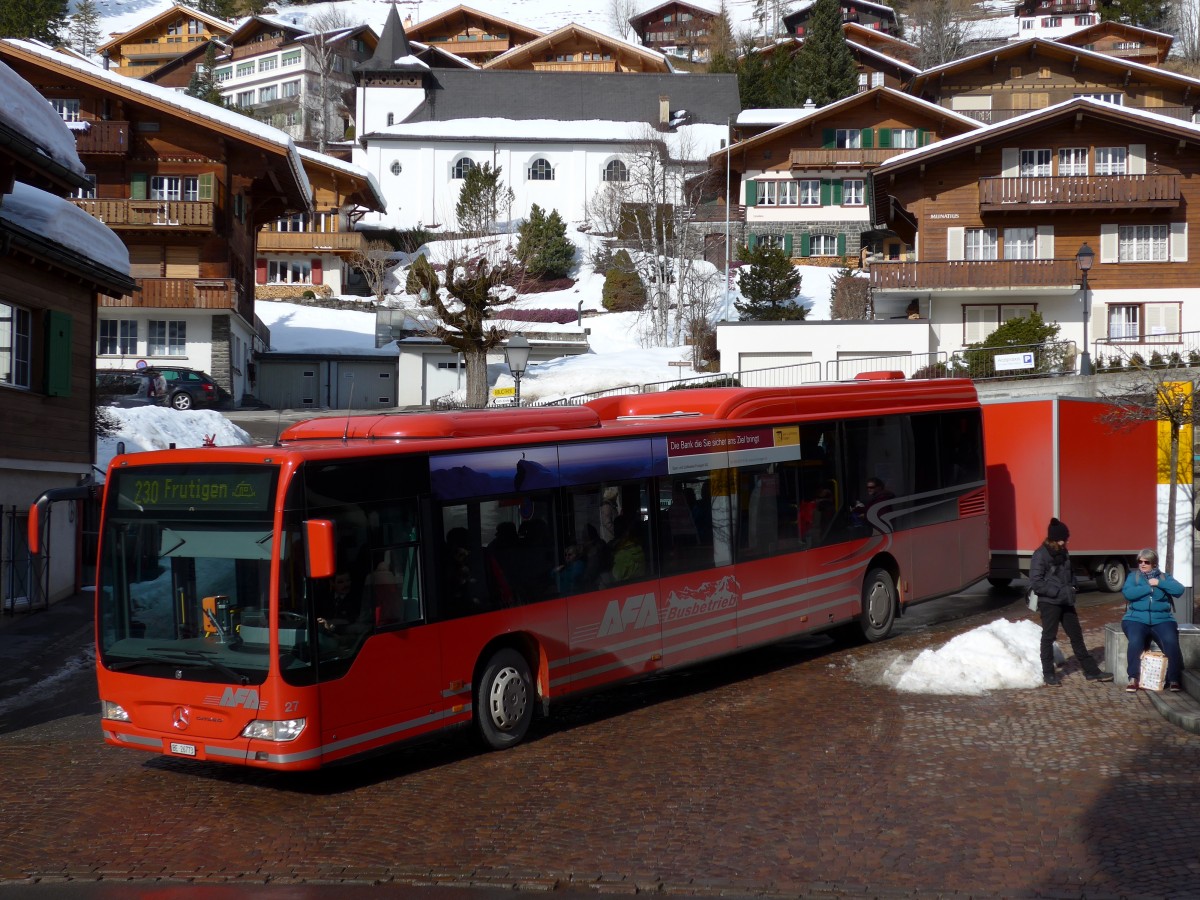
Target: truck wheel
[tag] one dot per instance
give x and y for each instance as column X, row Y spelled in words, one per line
column 504, row 700
column 878, row 605
column 1110, row 577
column 999, row 582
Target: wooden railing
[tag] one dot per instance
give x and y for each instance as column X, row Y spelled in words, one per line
column 103, row 137
column 803, row 159
column 976, row 274
column 1080, row 191
column 479, row 45
column 185, row 293
column 304, row 241
column 154, row 49
column 189, row 214
column 254, row 49
column 601, row 65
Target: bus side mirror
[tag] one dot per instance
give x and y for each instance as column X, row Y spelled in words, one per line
column 320, row 556
column 34, row 528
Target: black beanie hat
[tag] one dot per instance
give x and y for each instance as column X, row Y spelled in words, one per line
column 1057, row 531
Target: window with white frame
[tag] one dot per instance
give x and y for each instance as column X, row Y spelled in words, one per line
column 166, row 338
column 1115, row 98
column 779, row 193
column 245, row 98
column 1035, row 164
column 297, row 222
column 268, row 63
column 980, row 320
column 980, row 243
column 541, row 170
column 246, row 68
column 1124, row 321
column 86, row 193
column 823, row 245
column 68, row 110
column 862, row 81
column 16, row 341
column 118, row 337
column 1072, row 160
column 290, row 58
column 1111, row 160
column 848, row 138
column 174, row 187
column 1143, row 243
column 904, row 138
column 1020, row 243
column 291, row 119
column 876, row 79
column 1144, row 322
column 268, row 94
column 291, row 88
column 1083, row 20
column 285, row 271
column 771, row 240
column 853, row 192
column 461, row 168
column 616, row 171
column 1026, row 24
column 810, row 192
column 223, row 74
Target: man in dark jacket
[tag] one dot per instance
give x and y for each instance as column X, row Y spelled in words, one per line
column 1052, row 580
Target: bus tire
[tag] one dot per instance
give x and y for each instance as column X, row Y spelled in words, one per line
column 878, row 605
column 504, row 700
column 999, row 582
column 1110, row 577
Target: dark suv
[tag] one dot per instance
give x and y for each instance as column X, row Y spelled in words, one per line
column 185, row 388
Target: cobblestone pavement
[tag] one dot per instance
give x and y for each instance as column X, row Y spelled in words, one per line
column 784, row 772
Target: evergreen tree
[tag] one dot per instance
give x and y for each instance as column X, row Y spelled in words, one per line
column 722, row 47
column 41, row 20
column 754, row 90
column 85, row 28
column 1152, row 14
column 769, row 287
column 480, row 199
column 543, row 247
column 783, row 78
column 203, row 84
column 826, row 70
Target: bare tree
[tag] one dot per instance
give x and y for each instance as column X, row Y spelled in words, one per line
column 325, row 95
column 375, row 262
column 1157, row 394
column 1185, row 25
column 940, row 31
column 619, row 14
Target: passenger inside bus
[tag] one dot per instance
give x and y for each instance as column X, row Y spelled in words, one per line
column 628, row 555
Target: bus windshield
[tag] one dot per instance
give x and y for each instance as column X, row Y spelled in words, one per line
column 185, row 572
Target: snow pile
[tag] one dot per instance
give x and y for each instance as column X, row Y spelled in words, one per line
column 997, row 656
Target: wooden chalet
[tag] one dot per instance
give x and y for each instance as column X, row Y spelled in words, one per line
column 186, row 186
column 468, row 33
column 676, row 28
column 1123, row 41
column 997, row 217
column 1014, row 79
column 874, row 16
column 312, row 251
column 158, row 40
column 574, row 48
column 881, row 42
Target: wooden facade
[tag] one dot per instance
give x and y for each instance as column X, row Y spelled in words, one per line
column 574, row 48
column 676, row 27
column 157, row 41
column 1123, row 41
column 471, row 34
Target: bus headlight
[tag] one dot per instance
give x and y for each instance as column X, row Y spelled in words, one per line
column 282, row 730
column 114, row 711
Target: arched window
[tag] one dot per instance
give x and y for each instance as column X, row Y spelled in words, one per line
column 616, row 171
column 462, row 167
column 396, row 167
column 541, row 170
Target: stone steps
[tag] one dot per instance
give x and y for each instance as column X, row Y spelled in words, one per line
column 1181, row 709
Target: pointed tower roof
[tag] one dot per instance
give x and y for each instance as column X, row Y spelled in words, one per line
column 393, row 53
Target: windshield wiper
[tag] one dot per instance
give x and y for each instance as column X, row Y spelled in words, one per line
column 198, row 655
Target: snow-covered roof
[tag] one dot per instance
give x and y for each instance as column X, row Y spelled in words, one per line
column 26, row 111
column 61, row 222
column 192, row 107
column 348, row 167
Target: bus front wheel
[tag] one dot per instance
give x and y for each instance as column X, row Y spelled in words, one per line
column 1110, row 577
column 504, row 700
column 878, row 605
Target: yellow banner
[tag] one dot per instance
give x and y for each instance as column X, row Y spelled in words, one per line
column 1178, row 397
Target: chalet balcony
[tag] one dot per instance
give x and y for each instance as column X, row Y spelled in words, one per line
column 992, row 116
column 843, row 158
column 592, row 65
column 186, row 293
column 185, row 215
column 154, row 50
column 101, row 137
column 257, row 48
column 1079, row 192
column 491, row 46
column 976, row 275
column 311, row 242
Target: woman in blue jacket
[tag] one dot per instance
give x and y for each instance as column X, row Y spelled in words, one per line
column 1151, row 613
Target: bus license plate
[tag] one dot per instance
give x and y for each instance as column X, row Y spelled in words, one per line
column 183, row 749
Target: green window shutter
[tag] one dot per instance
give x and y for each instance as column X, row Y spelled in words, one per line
column 806, row 244
column 752, row 241
column 828, row 138
column 826, row 192
column 841, row 245
column 137, row 186
column 885, row 138
column 206, row 186
column 58, row 353
column 868, row 138
column 787, row 244
column 752, row 193
column 837, row 193
column 922, row 137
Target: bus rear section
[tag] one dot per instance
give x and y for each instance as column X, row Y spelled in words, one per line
column 379, row 579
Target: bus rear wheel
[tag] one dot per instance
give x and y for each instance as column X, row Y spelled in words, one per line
column 878, row 605
column 1110, row 577
column 504, row 700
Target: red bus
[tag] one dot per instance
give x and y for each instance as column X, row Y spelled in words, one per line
column 368, row 580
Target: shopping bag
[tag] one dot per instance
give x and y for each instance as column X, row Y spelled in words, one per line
column 1031, row 599
column 1154, row 670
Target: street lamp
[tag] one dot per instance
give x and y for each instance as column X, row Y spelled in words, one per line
column 516, row 354
column 1084, row 259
